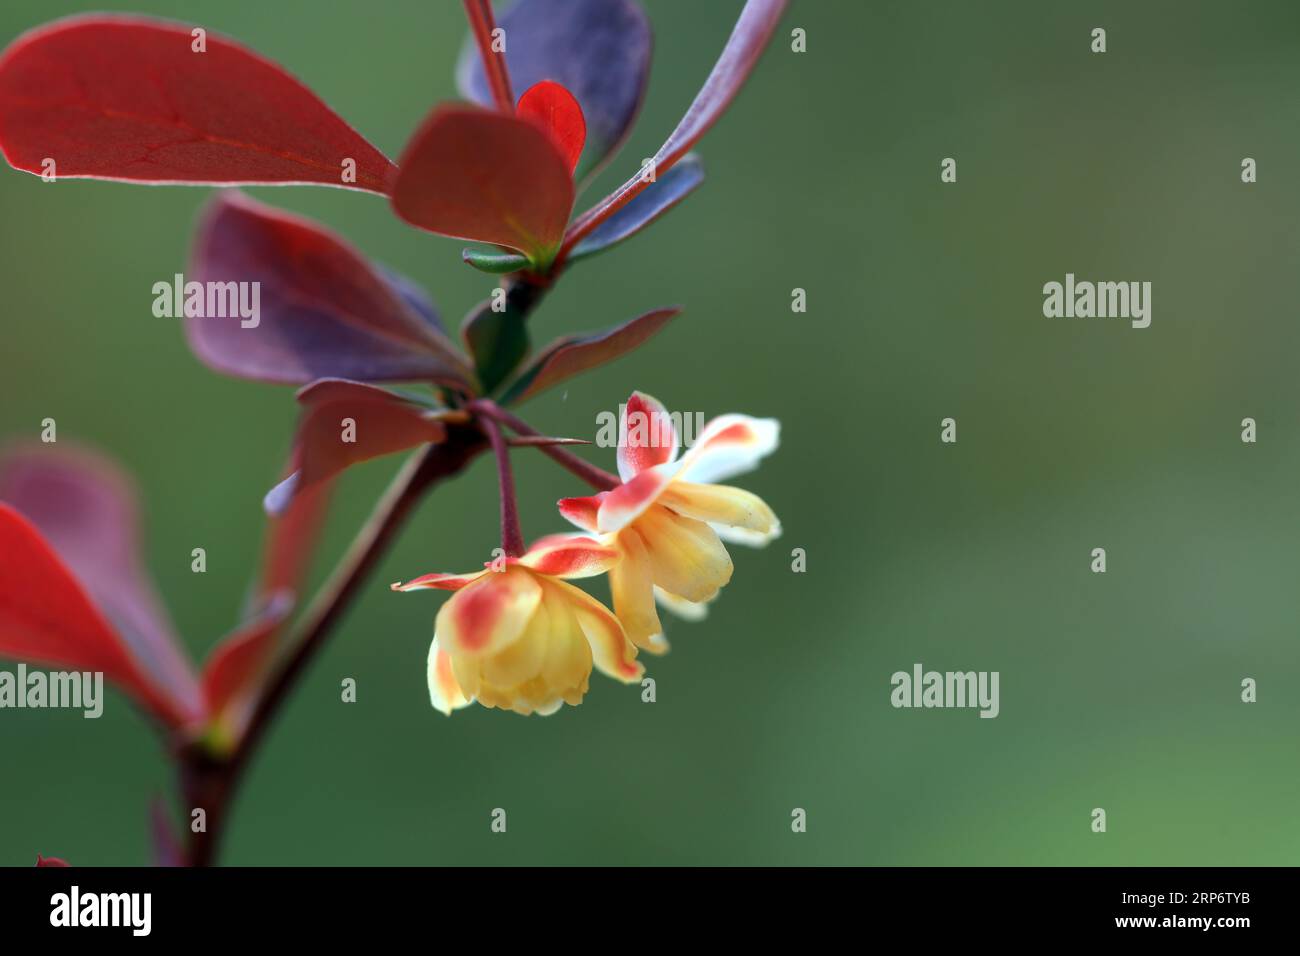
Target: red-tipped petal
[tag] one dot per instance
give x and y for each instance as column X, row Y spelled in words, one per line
column 490, row 614
column 729, row 445
column 553, row 108
column 624, row 504
column 46, row 618
column 646, row 436
column 581, row 511
column 129, row 98
column 569, row 556
column 442, row 582
column 474, row 174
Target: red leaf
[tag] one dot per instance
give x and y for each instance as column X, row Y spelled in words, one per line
column 753, row 30
column 572, row 355
column 600, row 50
column 473, row 174
column 553, row 107
column 85, row 507
column 127, row 98
column 381, row 423
column 290, row 539
column 46, row 618
column 50, row 861
column 237, row 663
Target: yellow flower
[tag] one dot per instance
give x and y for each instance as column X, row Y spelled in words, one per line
column 522, row 639
column 668, row 520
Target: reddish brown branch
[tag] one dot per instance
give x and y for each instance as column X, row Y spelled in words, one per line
column 494, row 64
column 598, row 478
column 512, row 539
column 210, row 782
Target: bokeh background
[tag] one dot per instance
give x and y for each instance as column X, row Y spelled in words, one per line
column 1119, row 691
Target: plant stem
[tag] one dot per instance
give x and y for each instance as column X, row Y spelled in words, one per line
column 512, row 539
column 596, row 477
column 210, row 782
column 481, row 22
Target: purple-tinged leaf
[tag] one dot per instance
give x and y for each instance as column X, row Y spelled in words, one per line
column 323, row 309
column 86, row 508
column 598, row 49
column 344, row 423
column 567, row 357
column 414, row 295
column 753, row 29
column 659, row 197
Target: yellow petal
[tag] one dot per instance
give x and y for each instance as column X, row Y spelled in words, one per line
column 686, row 556
column 465, row 669
column 444, row 690
column 567, row 664
column 521, row 661
column 486, row 616
column 547, row 666
column 633, row 592
column 611, row 651
column 686, row 610
column 724, row 505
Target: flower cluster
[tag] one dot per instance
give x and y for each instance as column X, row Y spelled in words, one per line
column 517, row 636
column 81, row 98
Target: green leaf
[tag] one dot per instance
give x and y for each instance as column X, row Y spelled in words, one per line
column 498, row 340
column 496, row 263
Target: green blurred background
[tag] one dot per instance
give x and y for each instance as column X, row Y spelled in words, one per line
column 1119, row 691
